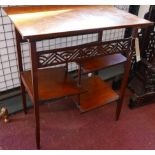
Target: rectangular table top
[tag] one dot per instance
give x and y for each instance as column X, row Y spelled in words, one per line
column 41, row 21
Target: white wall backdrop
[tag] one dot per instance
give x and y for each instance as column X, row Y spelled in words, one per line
column 9, row 76
column 142, row 10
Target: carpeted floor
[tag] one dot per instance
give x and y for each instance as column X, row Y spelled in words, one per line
column 63, row 127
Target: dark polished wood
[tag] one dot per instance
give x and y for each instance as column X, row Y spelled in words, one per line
column 32, row 22
column 35, row 90
column 35, row 23
column 98, row 63
column 126, row 73
column 20, row 66
column 98, row 94
column 55, row 78
column 145, row 69
column 82, row 52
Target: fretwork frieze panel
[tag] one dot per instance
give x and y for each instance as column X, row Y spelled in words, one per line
column 60, row 56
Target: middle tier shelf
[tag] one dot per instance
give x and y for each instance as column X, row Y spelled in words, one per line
column 101, row 62
column 52, row 83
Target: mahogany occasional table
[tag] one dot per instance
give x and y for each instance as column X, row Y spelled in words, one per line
column 35, row 23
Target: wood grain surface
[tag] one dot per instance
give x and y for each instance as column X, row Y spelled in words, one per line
column 38, row 21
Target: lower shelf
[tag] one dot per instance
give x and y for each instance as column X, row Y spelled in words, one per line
column 98, row 93
column 52, row 83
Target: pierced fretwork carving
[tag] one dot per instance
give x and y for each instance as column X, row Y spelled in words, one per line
column 145, row 69
column 148, row 50
column 71, row 54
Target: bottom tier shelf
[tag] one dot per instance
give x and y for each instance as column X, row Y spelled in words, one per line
column 98, row 94
column 52, row 83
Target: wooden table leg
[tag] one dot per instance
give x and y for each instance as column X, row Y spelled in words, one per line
column 123, row 87
column 37, row 123
column 79, row 75
column 20, row 66
column 23, row 92
column 34, row 74
column 126, row 75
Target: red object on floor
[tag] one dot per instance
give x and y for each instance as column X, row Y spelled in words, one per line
column 63, row 127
